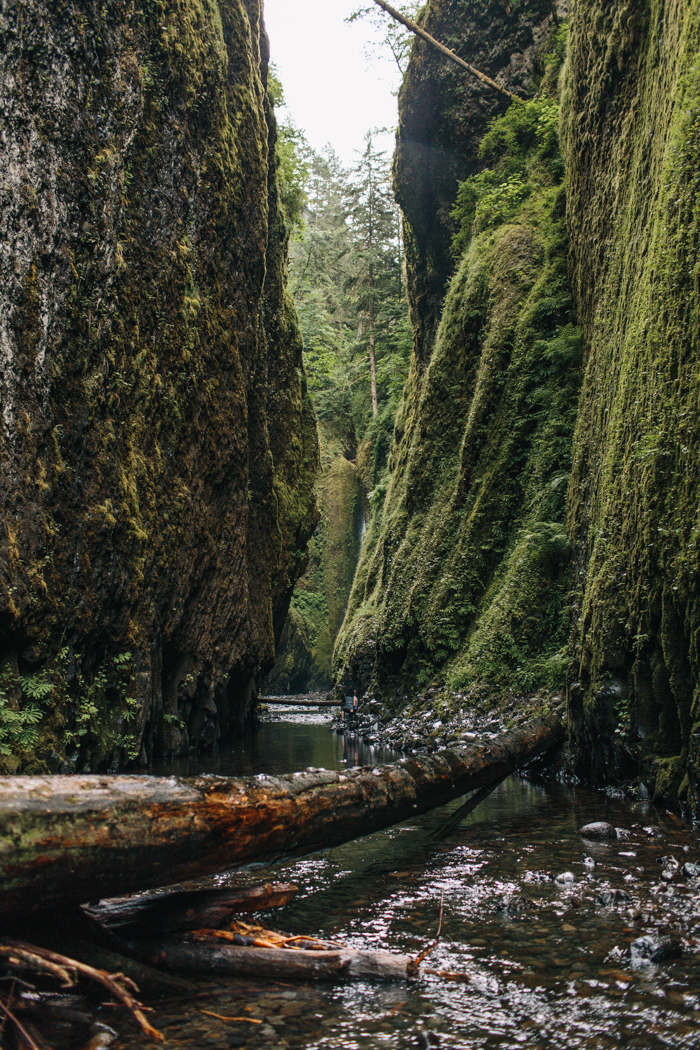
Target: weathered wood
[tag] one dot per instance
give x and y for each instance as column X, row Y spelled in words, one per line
column 418, row 31
column 277, row 963
column 189, row 909
column 466, row 808
column 78, row 838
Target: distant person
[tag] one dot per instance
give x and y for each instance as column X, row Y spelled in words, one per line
column 349, row 703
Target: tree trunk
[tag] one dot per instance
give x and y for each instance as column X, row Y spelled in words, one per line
column 416, row 29
column 72, row 839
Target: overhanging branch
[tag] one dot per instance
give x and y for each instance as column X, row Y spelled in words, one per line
column 416, row 29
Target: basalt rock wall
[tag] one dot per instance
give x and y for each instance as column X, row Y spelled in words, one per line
column 631, row 133
column 461, row 582
column 157, row 446
column 539, row 537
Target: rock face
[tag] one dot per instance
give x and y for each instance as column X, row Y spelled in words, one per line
column 537, row 535
column 462, row 576
column 305, row 650
column 157, row 445
column 632, row 139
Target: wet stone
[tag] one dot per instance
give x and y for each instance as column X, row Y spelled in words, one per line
column 654, row 949
column 598, row 831
column 608, row 897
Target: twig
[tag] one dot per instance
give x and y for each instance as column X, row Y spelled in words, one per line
column 61, row 965
column 415, row 963
column 220, row 1017
column 18, row 1025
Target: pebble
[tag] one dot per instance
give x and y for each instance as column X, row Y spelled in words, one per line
column 598, row 831
column 691, row 871
column 588, row 863
column 566, row 877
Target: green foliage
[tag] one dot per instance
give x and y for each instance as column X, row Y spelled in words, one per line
column 463, row 578
column 293, row 156
column 390, row 38
column 345, row 269
column 523, row 147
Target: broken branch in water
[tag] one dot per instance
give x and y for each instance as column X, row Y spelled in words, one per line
column 464, row 810
column 235, row 961
column 41, row 960
column 415, row 963
column 18, row 1025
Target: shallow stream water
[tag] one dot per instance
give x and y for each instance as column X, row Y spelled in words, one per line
column 535, row 943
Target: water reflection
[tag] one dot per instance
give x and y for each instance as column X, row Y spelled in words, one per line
column 299, row 739
column 524, row 959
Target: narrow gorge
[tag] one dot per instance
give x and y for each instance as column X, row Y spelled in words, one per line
column 531, row 507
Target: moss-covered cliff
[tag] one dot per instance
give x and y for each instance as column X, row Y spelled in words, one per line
column 462, row 580
column 632, row 146
column 157, row 447
column 535, row 536
column 305, row 651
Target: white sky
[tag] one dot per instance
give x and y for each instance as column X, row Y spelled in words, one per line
column 330, row 91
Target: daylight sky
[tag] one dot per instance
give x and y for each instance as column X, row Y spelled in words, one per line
column 333, row 92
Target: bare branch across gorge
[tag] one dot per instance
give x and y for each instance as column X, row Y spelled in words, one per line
column 72, row 839
column 416, row 29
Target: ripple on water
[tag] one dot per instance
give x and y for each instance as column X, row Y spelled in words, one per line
column 524, row 959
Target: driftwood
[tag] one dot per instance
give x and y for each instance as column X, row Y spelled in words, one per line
column 466, row 808
column 72, row 839
column 189, row 909
column 277, row 963
column 28, row 957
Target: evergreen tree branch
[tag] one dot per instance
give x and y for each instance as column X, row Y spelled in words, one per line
column 416, row 29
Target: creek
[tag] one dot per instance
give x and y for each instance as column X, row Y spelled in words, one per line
column 526, row 957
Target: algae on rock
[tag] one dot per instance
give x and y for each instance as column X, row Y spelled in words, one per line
column 463, row 575
column 632, row 148
column 305, row 650
column 158, row 446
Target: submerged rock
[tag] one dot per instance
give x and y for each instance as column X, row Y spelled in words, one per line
column 598, row 831
column 653, row 948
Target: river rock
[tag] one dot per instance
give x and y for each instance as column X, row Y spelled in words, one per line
column 691, row 871
column 566, row 878
column 653, row 948
column 598, row 831
column 609, row 897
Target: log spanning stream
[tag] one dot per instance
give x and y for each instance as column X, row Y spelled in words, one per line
column 540, row 945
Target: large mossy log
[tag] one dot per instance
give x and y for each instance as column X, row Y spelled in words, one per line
column 72, row 839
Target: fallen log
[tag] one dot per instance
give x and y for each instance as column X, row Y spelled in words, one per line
column 277, row 963
column 287, row 701
column 72, row 839
column 189, row 909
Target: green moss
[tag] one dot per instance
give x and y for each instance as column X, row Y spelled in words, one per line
column 632, row 145
column 166, row 467
column 304, row 655
column 463, row 576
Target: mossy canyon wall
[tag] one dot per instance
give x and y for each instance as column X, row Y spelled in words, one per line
column 158, row 449
column 538, row 540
